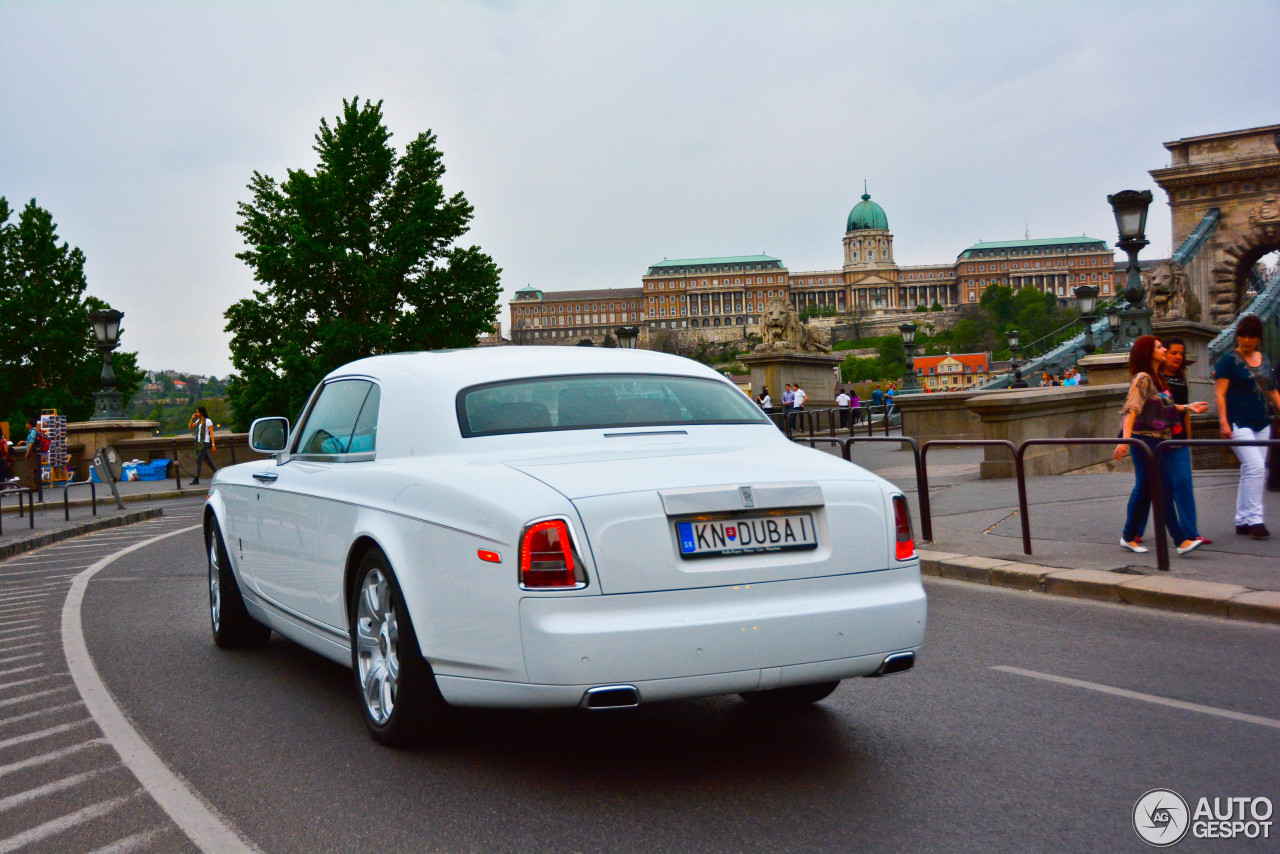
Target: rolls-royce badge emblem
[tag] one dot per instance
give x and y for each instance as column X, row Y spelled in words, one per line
column 748, row 500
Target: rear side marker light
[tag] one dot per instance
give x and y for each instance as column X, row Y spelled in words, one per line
column 904, row 545
column 489, row 557
column 546, row 556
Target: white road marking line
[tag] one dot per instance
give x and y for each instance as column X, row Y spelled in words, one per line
column 13, row 701
column 41, row 572
column 66, row 822
column 26, row 603
column 42, row 733
column 28, row 626
column 23, row 657
column 26, row 594
column 199, row 821
column 23, row 608
column 42, row 587
column 129, row 843
column 6, row 649
column 7, row 685
column 51, row 788
column 49, row 711
column 46, row 758
column 1146, row 698
column 12, row 647
column 22, row 669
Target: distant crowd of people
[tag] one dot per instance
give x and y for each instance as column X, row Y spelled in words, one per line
column 847, row 401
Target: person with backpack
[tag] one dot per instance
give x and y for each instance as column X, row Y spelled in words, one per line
column 37, row 446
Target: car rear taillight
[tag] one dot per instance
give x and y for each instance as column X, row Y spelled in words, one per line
column 546, row 556
column 905, row 546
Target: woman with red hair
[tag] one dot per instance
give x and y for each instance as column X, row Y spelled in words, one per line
column 1150, row 415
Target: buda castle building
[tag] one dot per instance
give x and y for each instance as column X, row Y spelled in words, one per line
column 731, row 292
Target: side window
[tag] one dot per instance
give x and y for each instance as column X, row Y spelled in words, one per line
column 332, row 421
column 364, row 437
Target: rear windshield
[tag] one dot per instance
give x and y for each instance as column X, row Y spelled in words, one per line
column 542, row 404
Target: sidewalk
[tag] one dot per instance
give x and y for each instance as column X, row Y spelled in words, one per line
column 1075, row 530
column 142, row 500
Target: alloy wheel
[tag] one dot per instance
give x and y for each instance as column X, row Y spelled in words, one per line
column 215, row 585
column 377, row 656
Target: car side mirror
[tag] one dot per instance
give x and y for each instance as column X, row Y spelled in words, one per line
column 269, row 435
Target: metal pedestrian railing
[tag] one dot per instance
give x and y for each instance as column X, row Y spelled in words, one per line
column 66, row 501
column 1153, row 461
column 30, row 511
column 926, row 513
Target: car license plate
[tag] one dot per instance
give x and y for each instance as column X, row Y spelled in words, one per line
column 746, row 535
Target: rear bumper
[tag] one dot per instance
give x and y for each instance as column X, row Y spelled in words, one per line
column 720, row 640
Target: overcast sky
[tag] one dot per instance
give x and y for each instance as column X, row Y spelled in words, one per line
column 595, row 139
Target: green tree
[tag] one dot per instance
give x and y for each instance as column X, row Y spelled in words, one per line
column 357, row 258
column 47, row 356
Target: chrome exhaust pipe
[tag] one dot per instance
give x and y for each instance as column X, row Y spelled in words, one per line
column 899, row 662
column 611, row 697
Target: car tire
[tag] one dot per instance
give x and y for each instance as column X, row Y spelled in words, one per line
column 398, row 696
column 797, row 695
column 232, row 626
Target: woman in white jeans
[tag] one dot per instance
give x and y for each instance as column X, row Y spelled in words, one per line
column 1243, row 387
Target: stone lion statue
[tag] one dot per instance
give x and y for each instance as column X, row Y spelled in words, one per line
column 1169, row 292
column 780, row 329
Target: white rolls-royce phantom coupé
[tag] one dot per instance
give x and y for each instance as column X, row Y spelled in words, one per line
column 558, row 527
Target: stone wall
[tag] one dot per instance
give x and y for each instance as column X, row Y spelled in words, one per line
column 1064, row 412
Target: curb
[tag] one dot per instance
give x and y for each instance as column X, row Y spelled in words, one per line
column 1160, row 592
column 17, row 547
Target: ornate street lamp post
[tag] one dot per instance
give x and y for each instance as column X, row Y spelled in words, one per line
column 1014, row 336
column 627, row 336
column 1113, row 321
column 108, row 404
column 1087, row 298
column 909, row 381
column 1130, row 208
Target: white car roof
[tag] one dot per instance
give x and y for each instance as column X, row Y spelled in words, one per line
column 418, row 415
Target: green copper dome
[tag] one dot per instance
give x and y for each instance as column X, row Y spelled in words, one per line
column 867, row 214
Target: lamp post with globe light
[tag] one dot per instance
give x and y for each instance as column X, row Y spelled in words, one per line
column 1014, row 336
column 1087, row 298
column 909, row 380
column 1130, row 208
column 109, row 403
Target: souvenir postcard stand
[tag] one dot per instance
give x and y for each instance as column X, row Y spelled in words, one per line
column 53, row 465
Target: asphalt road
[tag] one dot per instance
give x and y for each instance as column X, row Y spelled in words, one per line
column 953, row 756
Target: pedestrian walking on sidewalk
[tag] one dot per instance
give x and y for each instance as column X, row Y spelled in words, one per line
column 1243, row 385
column 203, row 425
column 1174, row 374
column 1149, row 415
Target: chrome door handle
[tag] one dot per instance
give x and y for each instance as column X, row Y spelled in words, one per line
column 266, row 476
